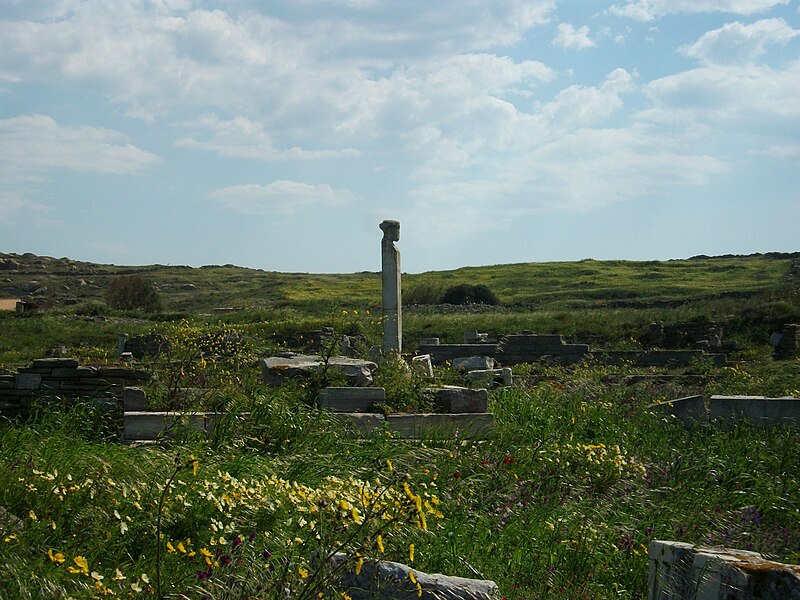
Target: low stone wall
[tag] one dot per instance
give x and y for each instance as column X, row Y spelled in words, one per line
column 724, row 410
column 681, row 571
column 515, row 348
column 64, row 378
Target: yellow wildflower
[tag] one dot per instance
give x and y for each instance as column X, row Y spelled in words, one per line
column 57, row 558
column 303, row 573
column 411, row 553
column 379, row 541
column 359, row 565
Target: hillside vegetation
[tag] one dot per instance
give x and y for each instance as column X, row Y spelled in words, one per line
column 560, row 502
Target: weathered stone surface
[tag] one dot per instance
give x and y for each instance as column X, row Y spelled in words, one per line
column 679, row 571
column 474, row 363
column 349, row 399
column 55, row 363
column 385, row 580
column 362, row 423
column 489, row 377
column 134, row 399
column 690, row 410
column 422, row 365
column 431, row 341
column 456, row 399
column 757, row 409
column 277, row 369
column 438, row 426
column 153, row 425
column 28, row 381
column 391, row 289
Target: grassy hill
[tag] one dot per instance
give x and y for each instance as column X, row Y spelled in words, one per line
column 607, row 302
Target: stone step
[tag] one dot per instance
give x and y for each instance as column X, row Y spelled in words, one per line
column 350, row 399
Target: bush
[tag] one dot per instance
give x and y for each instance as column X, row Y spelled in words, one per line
column 130, row 292
column 469, row 294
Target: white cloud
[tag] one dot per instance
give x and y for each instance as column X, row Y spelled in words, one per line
column 33, row 144
column 739, row 43
column 16, row 202
column 745, row 98
column 583, row 106
column 570, row 38
column 649, row 10
column 281, row 197
column 241, row 137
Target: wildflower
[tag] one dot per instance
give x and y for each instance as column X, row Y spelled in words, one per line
column 82, row 566
column 145, row 578
column 411, row 553
column 118, row 576
column 359, row 564
column 32, row 515
column 170, row 547
column 389, row 465
column 379, row 541
column 303, row 573
column 57, row 558
column 136, row 587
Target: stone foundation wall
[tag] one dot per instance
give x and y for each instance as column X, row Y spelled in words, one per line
column 514, row 349
column 788, row 347
column 63, row 378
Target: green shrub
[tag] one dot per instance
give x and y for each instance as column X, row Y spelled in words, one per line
column 469, row 294
column 130, row 292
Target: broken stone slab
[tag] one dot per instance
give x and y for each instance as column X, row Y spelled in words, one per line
column 487, row 377
column 422, row 365
column 440, row 426
column 457, row 399
column 474, row 363
column 679, row 570
column 386, row 580
column 348, row 399
column 277, row 369
column 690, row 410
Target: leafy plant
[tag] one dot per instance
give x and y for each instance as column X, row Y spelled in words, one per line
column 130, row 292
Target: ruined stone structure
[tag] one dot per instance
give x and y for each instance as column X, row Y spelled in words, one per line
column 63, row 378
column 516, row 348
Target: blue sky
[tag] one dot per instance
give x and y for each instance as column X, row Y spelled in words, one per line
column 277, row 135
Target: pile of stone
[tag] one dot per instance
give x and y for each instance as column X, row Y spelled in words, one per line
column 63, row 378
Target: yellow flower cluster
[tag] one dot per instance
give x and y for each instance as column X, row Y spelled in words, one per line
column 612, row 459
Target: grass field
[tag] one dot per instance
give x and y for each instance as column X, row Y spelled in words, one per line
column 560, row 502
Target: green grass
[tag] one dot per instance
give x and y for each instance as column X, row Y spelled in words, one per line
column 560, row 502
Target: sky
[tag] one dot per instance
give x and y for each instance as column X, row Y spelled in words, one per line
column 278, row 135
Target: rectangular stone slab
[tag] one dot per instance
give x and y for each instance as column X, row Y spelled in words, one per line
column 438, row 426
column 350, row 399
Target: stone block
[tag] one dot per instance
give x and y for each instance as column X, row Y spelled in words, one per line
column 55, row 363
column 431, row 341
column 134, row 399
column 456, row 399
column 362, row 423
column 277, row 369
column 138, row 425
column 440, row 426
column 690, row 410
column 348, row 399
column 385, row 580
column 422, row 365
column 757, row 409
column 679, row 571
column 474, row 363
column 28, row 381
column 489, row 377
column 65, row 372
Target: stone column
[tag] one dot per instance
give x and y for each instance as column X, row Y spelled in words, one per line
column 390, row 280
